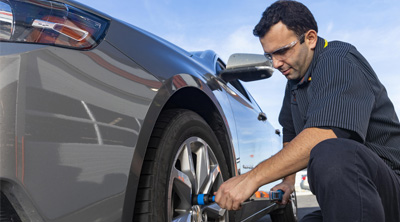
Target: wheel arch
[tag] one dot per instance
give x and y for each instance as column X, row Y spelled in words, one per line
column 188, row 97
column 184, row 99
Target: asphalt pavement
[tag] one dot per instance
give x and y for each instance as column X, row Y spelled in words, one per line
column 305, row 204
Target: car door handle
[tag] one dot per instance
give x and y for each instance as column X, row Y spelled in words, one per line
column 262, row 116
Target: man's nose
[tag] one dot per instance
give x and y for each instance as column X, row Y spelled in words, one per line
column 276, row 63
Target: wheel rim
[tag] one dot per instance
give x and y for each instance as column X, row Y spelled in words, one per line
column 294, row 204
column 195, row 170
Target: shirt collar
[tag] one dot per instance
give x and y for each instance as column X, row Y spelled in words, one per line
column 321, row 44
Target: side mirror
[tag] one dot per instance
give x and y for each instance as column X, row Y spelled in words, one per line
column 247, row 67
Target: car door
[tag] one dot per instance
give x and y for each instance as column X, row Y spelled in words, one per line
column 257, row 138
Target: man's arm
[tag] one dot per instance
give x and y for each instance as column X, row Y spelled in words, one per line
column 289, row 160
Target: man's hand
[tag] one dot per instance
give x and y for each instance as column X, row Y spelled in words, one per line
column 287, row 187
column 235, row 191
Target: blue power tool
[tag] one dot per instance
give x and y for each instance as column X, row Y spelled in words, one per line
column 203, row 199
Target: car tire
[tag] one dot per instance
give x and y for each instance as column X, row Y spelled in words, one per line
column 183, row 158
column 287, row 214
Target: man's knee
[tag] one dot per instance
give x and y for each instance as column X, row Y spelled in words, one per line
column 331, row 161
column 333, row 152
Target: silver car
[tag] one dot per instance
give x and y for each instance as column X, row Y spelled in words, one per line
column 103, row 121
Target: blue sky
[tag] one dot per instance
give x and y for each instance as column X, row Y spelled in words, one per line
column 225, row 26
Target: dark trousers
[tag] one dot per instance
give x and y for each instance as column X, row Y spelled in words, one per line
column 351, row 184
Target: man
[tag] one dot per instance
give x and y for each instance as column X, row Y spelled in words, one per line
column 337, row 120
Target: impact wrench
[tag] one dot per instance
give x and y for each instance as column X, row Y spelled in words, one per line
column 203, row 199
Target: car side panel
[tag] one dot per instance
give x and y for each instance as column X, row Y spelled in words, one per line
column 78, row 118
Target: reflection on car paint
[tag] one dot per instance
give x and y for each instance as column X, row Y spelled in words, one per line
column 74, row 130
column 154, row 85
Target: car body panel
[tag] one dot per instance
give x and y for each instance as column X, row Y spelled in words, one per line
column 58, row 95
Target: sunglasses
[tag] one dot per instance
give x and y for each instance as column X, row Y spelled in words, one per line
column 282, row 52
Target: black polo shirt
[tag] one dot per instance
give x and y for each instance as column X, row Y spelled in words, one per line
column 341, row 90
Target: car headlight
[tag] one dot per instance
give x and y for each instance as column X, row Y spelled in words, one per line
column 50, row 22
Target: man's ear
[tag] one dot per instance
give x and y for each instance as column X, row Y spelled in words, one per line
column 311, row 38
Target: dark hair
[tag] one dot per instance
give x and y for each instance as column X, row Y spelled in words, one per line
column 296, row 16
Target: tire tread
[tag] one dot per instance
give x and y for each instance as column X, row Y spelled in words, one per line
column 143, row 212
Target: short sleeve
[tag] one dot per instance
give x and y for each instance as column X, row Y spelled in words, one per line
column 285, row 117
column 341, row 96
